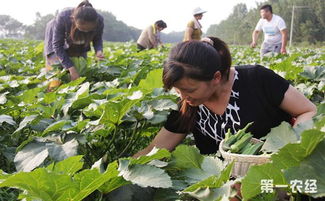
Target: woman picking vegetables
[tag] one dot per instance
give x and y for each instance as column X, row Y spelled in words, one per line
column 70, row 35
column 216, row 97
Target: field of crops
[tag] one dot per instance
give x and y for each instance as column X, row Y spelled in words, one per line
column 75, row 141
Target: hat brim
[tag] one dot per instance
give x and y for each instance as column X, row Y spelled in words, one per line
column 199, row 13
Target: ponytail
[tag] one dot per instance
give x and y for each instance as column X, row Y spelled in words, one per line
column 188, row 114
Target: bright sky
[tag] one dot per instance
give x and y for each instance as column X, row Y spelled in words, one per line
column 137, row 13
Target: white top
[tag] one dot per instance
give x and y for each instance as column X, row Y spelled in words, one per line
column 149, row 37
column 271, row 29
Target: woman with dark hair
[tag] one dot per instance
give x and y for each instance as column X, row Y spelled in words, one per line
column 150, row 37
column 70, row 35
column 193, row 29
column 216, row 97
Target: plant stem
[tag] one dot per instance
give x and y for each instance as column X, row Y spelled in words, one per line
column 130, row 142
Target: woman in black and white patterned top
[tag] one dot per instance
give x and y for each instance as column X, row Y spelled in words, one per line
column 216, row 97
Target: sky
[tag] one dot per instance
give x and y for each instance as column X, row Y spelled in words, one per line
column 136, row 13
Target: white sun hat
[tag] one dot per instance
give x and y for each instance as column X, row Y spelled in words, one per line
column 198, row 10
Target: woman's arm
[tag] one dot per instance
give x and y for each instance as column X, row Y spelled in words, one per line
column 164, row 139
column 98, row 38
column 59, row 36
column 297, row 105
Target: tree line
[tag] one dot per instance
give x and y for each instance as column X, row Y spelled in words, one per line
column 308, row 24
column 308, row 21
column 114, row 29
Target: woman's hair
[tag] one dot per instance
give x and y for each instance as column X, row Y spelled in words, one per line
column 198, row 60
column 84, row 13
column 161, row 24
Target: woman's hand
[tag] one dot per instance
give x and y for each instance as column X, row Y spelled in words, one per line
column 298, row 106
column 73, row 73
column 99, row 55
column 253, row 44
column 237, row 188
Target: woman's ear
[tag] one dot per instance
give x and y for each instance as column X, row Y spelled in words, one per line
column 217, row 77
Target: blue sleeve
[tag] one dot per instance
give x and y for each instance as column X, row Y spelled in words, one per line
column 59, row 37
column 98, row 39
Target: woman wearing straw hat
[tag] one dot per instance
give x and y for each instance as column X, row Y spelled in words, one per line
column 193, row 30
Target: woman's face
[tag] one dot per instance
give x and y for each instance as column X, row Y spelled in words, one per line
column 195, row 92
column 160, row 28
column 199, row 16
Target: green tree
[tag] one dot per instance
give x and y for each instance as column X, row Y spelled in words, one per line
column 115, row 30
column 37, row 30
column 10, row 28
column 309, row 21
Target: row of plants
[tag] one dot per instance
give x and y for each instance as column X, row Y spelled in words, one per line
column 107, row 115
column 184, row 173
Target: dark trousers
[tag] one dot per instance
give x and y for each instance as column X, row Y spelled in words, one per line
column 140, row 47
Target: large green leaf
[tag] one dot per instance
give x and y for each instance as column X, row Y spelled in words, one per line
column 94, row 109
column 80, row 63
column 30, row 96
column 112, row 184
column 185, row 157
column 83, row 91
column 136, row 95
column 115, row 181
column 289, row 156
column 251, row 184
column 71, row 86
column 42, row 124
column 279, row 137
column 311, row 168
column 68, row 166
column 153, row 80
column 209, row 166
column 8, row 119
column 292, row 154
column 314, row 73
column 115, row 111
column 214, row 181
column 81, row 94
column 58, row 183
column 215, row 187
column 3, row 98
column 60, row 152
column 288, row 65
column 85, row 182
column 34, row 154
column 213, row 194
column 56, row 126
column 164, row 104
column 25, row 122
column 144, row 175
column 31, row 156
column 40, row 184
column 154, row 154
column 166, row 194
